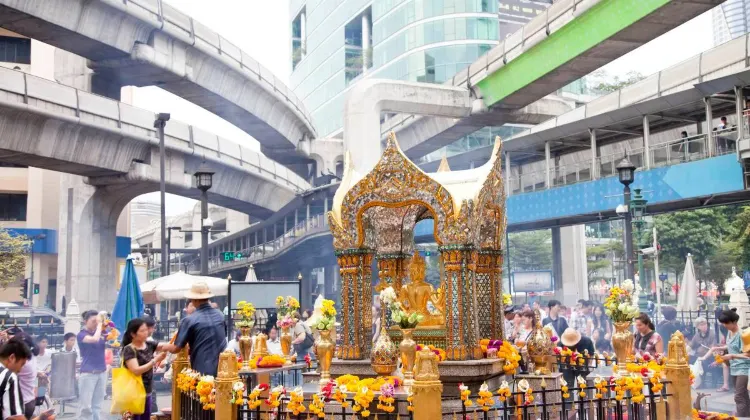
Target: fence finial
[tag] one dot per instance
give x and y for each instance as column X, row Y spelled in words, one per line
column 427, row 388
column 225, row 379
column 677, row 351
column 678, row 375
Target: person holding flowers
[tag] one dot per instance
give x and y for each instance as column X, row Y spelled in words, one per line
column 737, row 348
column 138, row 357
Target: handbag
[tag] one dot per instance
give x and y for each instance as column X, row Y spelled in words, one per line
column 128, row 392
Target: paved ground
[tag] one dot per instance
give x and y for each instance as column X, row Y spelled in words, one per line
column 163, row 399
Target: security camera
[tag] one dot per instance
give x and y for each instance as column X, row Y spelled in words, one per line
column 207, row 222
column 648, row 251
column 621, row 209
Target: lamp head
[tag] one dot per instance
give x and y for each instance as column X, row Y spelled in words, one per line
column 626, row 171
column 204, row 177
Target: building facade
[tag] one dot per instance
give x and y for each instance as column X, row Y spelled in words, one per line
column 337, row 43
column 730, row 20
column 30, row 197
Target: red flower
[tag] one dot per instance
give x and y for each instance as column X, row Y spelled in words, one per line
column 264, row 387
column 644, row 371
column 419, row 347
column 646, row 357
column 327, row 391
column 556, row 350
column 396, row 382
column 308, row 360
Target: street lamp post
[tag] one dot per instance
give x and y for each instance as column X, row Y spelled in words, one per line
column 626, row 173
column 169, row 247
column 159, row 123
column 204, row 180
column 638, row 211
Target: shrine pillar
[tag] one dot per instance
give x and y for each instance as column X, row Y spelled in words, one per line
column 461, row 321
column 392, row 270
column 356, row 303
column 486, row 266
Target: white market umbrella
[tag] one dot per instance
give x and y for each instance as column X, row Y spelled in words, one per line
column 174, row 286
column 687, row 299
column 250, row 276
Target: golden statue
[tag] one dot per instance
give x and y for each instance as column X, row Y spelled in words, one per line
column 417, row 294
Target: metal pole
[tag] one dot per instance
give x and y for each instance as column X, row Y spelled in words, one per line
column 646, row 143
column 161, row 121
column 656, row 273
column 169, row 249
column 594, row 167
column 629, row 269
column 547, row 158
column 204, row 233
column 30, row 283
column 709, row 126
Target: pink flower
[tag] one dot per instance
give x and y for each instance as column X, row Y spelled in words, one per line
column 387, row 390
column 553, row 339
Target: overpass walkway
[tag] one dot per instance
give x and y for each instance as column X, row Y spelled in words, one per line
column 150, row 43
column 51, row 126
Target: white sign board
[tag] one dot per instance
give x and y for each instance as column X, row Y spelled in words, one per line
column 140, row 272
column 531, row 281
column 262, row 294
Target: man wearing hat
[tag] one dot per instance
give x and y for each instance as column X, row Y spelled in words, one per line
column 572, row 339
column 203, row 331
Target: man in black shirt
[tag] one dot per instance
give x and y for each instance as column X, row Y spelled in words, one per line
column 558, row 323
column 573, row 340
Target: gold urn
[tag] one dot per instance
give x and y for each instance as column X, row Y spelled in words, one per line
column 539, row 345
column 246, row 346
column 324, row 348
column 622, row 342
column 408, row 349
column 286, row 344
column 384, row 355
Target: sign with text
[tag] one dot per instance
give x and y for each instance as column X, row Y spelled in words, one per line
column 532, row 281
column 232, row 256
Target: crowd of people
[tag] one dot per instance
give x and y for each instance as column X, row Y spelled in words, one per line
column 719, row 350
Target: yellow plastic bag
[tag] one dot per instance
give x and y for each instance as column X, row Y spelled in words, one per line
column 128, row 392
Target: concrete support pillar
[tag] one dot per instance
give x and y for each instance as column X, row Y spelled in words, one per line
column 740, row 106
column 73, row 70
column 303, row 32
column 87, row 264
column 646, row 143
column 574, row 264
column 296, row 217
column 594, row 163
column 557, row 274
column 508, row 187
column 365, row 40
column 307, row 216
column 325, row 206
column 547, row 164
column 709, row 126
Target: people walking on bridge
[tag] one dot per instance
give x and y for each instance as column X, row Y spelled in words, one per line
column 93, row 379
column 138, row 357
column 204, row 331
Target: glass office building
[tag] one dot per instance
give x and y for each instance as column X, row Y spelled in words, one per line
column 336, row 43
column 731, row 19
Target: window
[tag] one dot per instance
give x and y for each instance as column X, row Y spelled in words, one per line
column 13, row 207
column 15, row 50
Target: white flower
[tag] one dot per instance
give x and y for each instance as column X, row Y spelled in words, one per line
column 207, row 378
column 504, row 385
column 623, row 307
column 388, row 296
column 278, row 389
column 343, row 389
column 484, row 387
column 580, row 380
column 598, row 379
column 297, row 390
column 238, row 386
column 563, row 382
column 462, row 387
column 628, row 285
column 523, row 385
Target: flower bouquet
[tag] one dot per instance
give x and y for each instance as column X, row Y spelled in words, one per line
column 108, row 329
column 405, row 320
column 327, row 319
column 622, row 303
column 246, row 313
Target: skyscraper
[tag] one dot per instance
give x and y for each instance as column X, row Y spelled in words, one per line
column 731, row 19
column 336, row 43
column 513, row 14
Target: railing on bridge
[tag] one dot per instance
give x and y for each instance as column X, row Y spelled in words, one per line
column 673, row 152
column 314, row 224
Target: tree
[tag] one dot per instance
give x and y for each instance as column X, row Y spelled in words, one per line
column 726, row 257
column 697, row 232
column 601, row 83
column 13, row 250
column 531, row 250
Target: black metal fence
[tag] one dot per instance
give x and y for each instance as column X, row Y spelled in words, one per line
column 191, row 408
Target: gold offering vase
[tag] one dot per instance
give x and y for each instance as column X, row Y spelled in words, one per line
column 622, row 341
column 259, row 348
column 246, row 346
column 286, row 344
column 324, row 348
column 408, row 349
column 384, row 354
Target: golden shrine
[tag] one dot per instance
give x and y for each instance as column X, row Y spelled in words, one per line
column 373, row 217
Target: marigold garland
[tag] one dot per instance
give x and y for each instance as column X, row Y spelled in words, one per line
column 582, row 385
column 410, row 400
column 601, row 387
column 438, row 351
column 485, row 399
column 274, row 396
column 511, row 356
column 503, row 393
column 238, row 393
column 708, row 415
column 465, row 393
column 252, row 398
column 386, row 399
column 296, row 402
column 317, row 405
column 339, row 394
column 206, row 391
column 362, row 400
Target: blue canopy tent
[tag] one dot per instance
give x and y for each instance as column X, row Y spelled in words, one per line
column 129, row 303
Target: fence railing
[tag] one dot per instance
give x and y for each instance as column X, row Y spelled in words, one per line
column 685, row 149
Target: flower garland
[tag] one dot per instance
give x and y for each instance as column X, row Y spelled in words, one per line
column 564, row 389
column 296, row 402
column 385, row 399
column 707, row 415
column 252, row 398
column 339, row 394
column 485, row 399
column 656, row 385
column 410, row 400
column 582, row 385
column 528, row 393
column 601, row 387
column 270, row 361
column 465, row 393
column 187, row 379
column 274, row 396
column 206, row 390
column 362, row 400
column 512, row 357
column 238, row 393
column 503, row 393
column 317, row 405
column 353, row 383
column 438, row 351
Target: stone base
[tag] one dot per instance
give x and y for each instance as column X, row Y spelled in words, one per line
column 551, row 381
column 471, row 373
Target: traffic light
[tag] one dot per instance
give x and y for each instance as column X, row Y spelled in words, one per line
column 25, row 289
column 36, row 288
